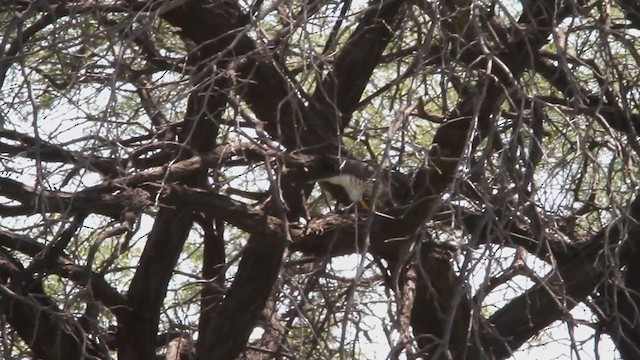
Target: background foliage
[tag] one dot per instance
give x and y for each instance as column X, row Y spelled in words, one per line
column 159, row 161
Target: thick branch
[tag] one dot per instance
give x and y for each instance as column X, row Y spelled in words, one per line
column 38, row 320
column 452, row 141
column 149, row 284
column 63, row 267
column 631, row 11
column 583, row 100
column 441, row 308
column 340, row 93
column 53, row 153
column 107, row 201
column 565, row 287
column 245, row 299
column 618, row 309
column 172, row 226
column 216, row 27
column 213, row 269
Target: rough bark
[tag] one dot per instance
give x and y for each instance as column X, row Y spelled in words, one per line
column 617, row 303
column 565, row 287
column 37, row 318
column 245, row 299
column 213, row 270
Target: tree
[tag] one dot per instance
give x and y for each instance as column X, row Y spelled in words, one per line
column 160, row 162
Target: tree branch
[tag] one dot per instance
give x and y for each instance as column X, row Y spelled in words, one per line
column 38, row 320
column 565, row 286
column 245, row 299
column 338, row 95
column 63, row 267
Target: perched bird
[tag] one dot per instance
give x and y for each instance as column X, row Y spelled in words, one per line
column 356, row 188
column 357, row 180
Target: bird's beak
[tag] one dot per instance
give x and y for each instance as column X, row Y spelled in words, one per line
column 363, row 204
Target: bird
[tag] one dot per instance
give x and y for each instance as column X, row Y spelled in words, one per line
column 357, row 180
column 356, row 188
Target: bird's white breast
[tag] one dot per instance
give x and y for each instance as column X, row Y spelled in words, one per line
column 354, row 187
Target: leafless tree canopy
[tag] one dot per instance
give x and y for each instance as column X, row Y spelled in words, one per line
column 161, row 165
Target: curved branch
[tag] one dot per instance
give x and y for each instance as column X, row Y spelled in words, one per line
column 63, row 267
column 566, row 286
column 338, row 96
column 245, row 300
column 38, row 320
column 54, row 153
